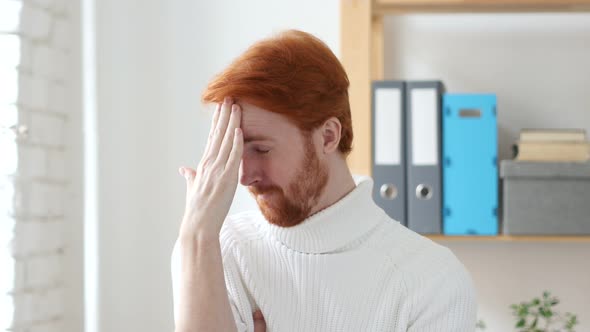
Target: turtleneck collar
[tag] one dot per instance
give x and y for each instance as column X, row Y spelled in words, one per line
column 335, row 226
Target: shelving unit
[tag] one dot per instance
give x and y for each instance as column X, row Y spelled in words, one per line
column 362, row 54
column 511, row 238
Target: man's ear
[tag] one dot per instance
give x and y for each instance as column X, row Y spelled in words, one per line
column 331, row 132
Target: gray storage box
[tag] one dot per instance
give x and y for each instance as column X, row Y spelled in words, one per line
column 545, row 198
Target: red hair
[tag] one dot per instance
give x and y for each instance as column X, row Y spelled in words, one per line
column 294, row 74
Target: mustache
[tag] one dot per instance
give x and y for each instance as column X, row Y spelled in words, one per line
column 264, row 190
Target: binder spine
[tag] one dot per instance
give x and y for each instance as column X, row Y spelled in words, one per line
column 424, row 150
column 388, row 148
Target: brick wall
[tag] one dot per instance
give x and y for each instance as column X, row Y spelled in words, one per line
column 40, row 183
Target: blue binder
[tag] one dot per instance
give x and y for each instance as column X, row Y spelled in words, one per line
column 470, row 170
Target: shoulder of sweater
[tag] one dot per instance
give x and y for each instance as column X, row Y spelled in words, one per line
column 409, row 250
column 241, row 228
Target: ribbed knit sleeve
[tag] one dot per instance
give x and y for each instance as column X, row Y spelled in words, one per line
column 238, row 299
column 239, row 303
column 231, row 246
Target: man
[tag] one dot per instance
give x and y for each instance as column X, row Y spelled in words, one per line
column 319, row 255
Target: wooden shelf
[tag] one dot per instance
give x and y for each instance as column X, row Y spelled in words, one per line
column 384, row 7
column 362, row 49
column 512, row 238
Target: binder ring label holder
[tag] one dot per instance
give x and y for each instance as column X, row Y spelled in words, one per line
column 388, row 191
column 423, row 192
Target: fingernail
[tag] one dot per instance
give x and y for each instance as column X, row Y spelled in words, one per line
column 227, row 100
column 234, row 108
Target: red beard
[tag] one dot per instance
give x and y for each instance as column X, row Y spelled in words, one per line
column 304, row 192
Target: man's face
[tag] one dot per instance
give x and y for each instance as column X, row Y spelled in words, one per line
column 280, row 166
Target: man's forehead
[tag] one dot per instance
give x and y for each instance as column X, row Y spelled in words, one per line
column 257, row 129
column 259, row 124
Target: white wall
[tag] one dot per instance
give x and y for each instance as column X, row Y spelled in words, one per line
column 153, row 61
column 539, row 66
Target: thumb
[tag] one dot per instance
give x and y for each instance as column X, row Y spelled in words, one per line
column 188, row 174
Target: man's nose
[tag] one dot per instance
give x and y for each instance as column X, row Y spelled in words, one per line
column 249, row 173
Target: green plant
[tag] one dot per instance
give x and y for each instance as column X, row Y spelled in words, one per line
column 480, row 325
column 539, row 315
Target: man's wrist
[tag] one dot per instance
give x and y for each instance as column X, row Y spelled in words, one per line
column 198, row 238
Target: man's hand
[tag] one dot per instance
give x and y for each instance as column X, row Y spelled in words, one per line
column 259, row 323
column 210, row 188
column 203, row 303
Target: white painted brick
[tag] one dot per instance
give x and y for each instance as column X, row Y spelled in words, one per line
column 56, row 164
column 32, row 161
column 37, row 200
column 23, row 313
column 51, row 326
column 35, row 22
column 51, row 303
column 46, row 129
column 8, row 88
column 10, row 15
column 61, row 7
column 26, row 55
column 40, row 93
column 37, row 306
column 45, row 4
column 33, row 92
column 34, row 237
column 19, row 274
column 43, row 270
column 42, row 55
column 57, row 98
column 38, row 242
column 20, row 204
column 59, row 59
column 49, row 62
column 46, row 200
column 61, row 34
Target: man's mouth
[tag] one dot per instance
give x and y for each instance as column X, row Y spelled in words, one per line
column 265, row 195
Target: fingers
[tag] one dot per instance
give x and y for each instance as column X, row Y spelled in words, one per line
column 220, row 129
column 259, row 323
column 257, row 315
column 228, row 140
column 233, row 162
column 212, row 129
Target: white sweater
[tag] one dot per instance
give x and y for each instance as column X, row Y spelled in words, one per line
column 349, row 267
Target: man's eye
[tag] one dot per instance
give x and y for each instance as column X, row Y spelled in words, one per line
column 262, row 151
